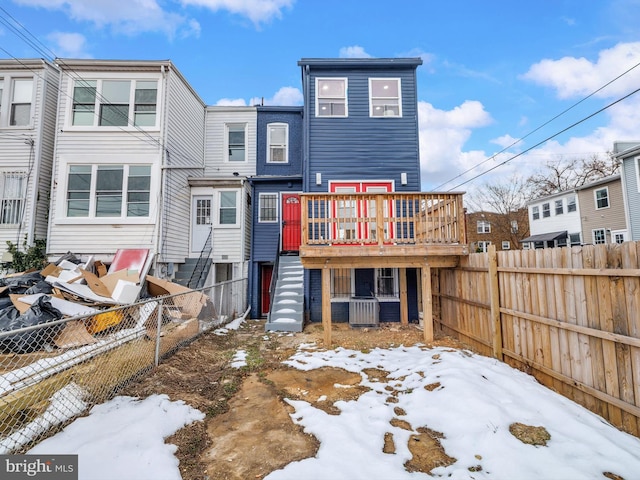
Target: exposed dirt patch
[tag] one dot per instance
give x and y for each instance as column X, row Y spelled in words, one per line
column 530, row 435
column 247, row 432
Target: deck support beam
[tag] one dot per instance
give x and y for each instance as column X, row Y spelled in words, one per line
column 427, row 305
column 404, row 305
column 326, row 305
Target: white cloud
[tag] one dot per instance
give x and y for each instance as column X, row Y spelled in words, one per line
column 355, row 51
column 258, row 11
column 573, row 77
column 231, row 102
column 69, row 45
column 128, row 17
column 286, row 96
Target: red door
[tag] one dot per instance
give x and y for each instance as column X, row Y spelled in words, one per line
column 265, row 284
column 291, row 222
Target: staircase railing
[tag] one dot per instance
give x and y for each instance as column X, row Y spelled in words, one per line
column 274, row 279
column 199, row 269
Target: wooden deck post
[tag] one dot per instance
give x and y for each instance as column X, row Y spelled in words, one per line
column 494, row 292
column 326, row 305
column 427, row 308
column 404, row 305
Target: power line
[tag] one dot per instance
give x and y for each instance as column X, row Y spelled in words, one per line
column 549, row 138
column 492, row 157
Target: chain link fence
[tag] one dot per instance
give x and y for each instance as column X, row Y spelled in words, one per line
column 52, row 372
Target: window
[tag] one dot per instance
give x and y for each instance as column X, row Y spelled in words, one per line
column 20, row 114
column 386, row 282
column 546, row 210
column 514, row 226
column 13, row 195
column 618, row 237
column 559, row 207
column 483, row 226
column 277, row 143
column 535, row 212
column 482, row 246
column 571, row 204
column 574, row 239
column 599, row 236
column 115, row 103
column 331, row 97
column 341, row 283
column 108, row 191
column 506, row 245
column 384, row 97
column 1, row 90
column 228, row 208
column 203, row 211
column 236, row 142
column 268, row 208
column 602, row 198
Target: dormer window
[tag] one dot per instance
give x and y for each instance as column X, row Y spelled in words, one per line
column 384, row 97
column 331, row 97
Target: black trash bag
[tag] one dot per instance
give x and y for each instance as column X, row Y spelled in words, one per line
column 26, row 342
column 39, row 287
column 5, row 302
column 25, row 280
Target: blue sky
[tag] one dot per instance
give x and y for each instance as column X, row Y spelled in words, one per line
column 493, row 71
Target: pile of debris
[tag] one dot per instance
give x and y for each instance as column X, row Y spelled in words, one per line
column 70, row 288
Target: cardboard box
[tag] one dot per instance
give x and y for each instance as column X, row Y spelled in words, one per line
column 190, row 302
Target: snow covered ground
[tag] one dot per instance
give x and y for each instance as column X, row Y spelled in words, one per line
column 472, row 400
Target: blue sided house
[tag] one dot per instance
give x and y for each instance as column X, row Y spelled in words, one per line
column 368, row 236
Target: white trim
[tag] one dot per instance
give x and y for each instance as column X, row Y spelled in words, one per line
column 227, row 126
column 278, row 201
column 595, row 198
column 286, row 142
column 218, row 204
column 346, row 96
column 593, row 235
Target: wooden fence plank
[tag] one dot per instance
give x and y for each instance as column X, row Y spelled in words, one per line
column 632, row 296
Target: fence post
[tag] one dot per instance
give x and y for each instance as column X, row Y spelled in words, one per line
column 158, row 325
column 494, row 292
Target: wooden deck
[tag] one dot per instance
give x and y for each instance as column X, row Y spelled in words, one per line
column 376, row 230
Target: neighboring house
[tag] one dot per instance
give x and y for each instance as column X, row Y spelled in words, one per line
column 505, row 231
column 129, row 136
column 554, row 221
column 602, row 211
column 221, row 196
column 276, row 189
column 628, row 155
column 28, row 105
column 361, row 158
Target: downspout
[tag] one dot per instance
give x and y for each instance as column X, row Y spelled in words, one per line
column 305, row 137
column 164, row 162
column 415, row 95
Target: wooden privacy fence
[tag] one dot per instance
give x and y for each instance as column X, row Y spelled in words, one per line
column 569, row 316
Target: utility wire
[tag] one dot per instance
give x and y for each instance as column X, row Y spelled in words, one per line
column 492, row 157
column 549, row 138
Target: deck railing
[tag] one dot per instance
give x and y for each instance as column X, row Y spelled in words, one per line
column 382, row 219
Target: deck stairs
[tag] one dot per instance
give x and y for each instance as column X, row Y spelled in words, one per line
column 287, row 303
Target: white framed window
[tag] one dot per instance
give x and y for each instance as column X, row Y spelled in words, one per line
column 268, row 208
column 1, row 91
column 114, row 103
column 384, row 97
column 387, row 283
column 559, row 207
column 482, row 246
column 236, row 136
column 514, row 226
column 571, row 204
column 601, row 197
column 535, row 212
column 108, row 191
column 21, row 98
column 228, row 208
column 483, row 226
column 203, row 211
column 546, row 210
column 506, row 245
column 331, row 97
column 599, row 236
column 14, row 189
column 574, row 239
column 278, row 143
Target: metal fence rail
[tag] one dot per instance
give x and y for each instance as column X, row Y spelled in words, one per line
column 52, row 372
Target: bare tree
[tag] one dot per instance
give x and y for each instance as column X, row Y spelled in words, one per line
column 566, row 174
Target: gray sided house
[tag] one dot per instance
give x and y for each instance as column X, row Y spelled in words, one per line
column 628, row 155
column 28, row 103
column 220, row 225
column 276, row 194
column 602, row 212
column 129, row 136
column 360, row 137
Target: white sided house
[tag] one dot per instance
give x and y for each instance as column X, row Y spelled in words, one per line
column 554, row 221
column 28, row 103
column 221, row 198
column 129, row 135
